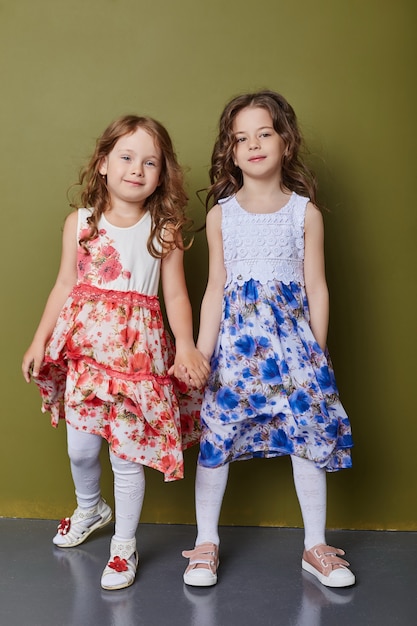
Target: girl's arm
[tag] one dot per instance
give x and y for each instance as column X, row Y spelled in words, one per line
column 66, row 279
column 211, row 307
column 314, row 274
column 178, row 308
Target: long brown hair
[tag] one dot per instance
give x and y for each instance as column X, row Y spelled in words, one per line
column 226, row 178
column 167, row 203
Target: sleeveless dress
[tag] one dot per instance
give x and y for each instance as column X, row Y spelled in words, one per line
column 105, row 366
column 272, row 390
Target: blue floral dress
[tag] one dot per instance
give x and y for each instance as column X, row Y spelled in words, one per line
column 272, row 390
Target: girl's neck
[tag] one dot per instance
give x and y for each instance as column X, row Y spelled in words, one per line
column 124, row 215
column 262, row 198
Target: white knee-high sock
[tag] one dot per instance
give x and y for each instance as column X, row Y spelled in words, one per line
column 210, row 486
column 129, row 492
column 83, row 451
column 310, row 485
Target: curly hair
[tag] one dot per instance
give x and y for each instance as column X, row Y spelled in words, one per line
column 226, row 178
column 167, row 203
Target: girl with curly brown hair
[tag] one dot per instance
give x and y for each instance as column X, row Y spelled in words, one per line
column 264, row 317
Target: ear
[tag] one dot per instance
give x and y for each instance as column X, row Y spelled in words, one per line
column 103, row 167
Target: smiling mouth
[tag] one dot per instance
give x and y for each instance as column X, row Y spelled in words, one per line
column 257, row 158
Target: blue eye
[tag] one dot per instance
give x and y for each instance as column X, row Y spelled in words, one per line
column 125, row 158
column 151, row 163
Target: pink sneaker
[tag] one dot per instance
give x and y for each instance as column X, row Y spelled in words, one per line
column 202, row 569
column 325, row 564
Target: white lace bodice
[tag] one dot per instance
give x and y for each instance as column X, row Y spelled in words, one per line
column 262, row 246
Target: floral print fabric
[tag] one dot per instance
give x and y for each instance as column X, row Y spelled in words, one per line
column 272, row 390
column 108, row 360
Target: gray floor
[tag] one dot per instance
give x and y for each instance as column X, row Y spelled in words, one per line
column 260, row 580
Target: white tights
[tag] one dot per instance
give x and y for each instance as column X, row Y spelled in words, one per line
column 129, row 481
column 310, row 485
column 210, row 485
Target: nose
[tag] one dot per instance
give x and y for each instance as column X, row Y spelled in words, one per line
column 137, row 169
column 253, row 143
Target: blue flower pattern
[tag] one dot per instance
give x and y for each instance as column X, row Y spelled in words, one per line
column 272, row 390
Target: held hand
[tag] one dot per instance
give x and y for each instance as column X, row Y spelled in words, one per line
column 32, row 361
column 191, row 367
column 181, row 374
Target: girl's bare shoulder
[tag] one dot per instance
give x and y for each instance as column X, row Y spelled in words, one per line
column 314, row 217
column 214, row 215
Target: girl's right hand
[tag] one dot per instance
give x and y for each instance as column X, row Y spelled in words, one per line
column 32, row 361
column 66, row 279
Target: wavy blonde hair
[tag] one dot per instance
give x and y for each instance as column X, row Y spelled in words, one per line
column 167, row 203
column 226, row 178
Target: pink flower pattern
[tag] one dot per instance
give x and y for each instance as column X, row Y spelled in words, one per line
column 102, row 264
column 108, row 359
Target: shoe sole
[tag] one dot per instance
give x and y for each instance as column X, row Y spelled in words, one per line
column 348, row 582
column 199, row 582
column 99, row 524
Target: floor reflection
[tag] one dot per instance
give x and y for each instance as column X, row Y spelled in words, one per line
column 316, row 596
column 203, row 602
column 85, row 568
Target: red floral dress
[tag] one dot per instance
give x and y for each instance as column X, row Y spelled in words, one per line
column 108, row 357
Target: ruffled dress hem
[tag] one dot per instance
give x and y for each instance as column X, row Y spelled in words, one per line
column 118, row 387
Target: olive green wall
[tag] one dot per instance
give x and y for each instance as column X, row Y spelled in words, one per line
column 348, row 67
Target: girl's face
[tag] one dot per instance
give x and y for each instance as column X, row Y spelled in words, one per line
column 258, row 149
column 133, row 168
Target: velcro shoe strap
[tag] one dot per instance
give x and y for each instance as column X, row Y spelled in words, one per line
column 203, row 554
column 330, row 556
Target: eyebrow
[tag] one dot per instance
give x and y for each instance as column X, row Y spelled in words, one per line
column 239, row 132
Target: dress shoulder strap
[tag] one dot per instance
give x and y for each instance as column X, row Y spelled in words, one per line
column 83, row 214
